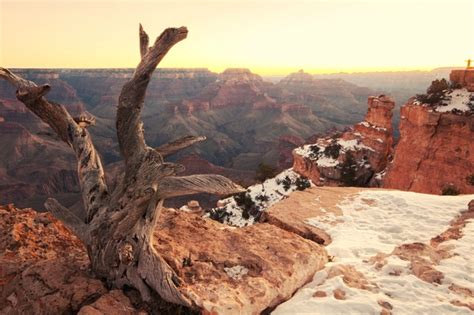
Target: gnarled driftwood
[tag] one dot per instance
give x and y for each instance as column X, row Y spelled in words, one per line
column 119, row 224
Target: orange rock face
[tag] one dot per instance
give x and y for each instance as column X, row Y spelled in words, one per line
column 435, row 152
column 464, row 77
column 43, row 268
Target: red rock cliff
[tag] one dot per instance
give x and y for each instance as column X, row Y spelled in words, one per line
column 435, row 151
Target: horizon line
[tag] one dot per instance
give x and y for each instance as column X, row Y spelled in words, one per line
column 285, row 73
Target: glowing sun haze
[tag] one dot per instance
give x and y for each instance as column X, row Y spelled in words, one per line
column 269, row 37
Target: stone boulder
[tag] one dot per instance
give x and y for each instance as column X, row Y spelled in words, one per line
column 236, row 271
column 292, row 214
column 44, row 269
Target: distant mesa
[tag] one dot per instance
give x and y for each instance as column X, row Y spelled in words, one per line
column 433, row 154
column 297, row 78
column 239, row 74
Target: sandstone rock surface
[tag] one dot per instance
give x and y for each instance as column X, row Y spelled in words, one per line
column 44, row 269
column 236, row 271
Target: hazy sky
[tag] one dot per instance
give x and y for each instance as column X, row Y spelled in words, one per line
column 269, row 37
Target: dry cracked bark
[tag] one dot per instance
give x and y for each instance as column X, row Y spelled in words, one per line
column 119, row 224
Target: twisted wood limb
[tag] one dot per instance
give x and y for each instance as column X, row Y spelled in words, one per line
column 180, row 144
column 129, row 125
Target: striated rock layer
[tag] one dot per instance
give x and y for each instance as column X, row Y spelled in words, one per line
column 435, row 153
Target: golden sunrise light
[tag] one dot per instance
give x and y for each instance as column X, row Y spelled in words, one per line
column 269, row 37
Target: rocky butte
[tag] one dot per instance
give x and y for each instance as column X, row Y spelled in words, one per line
column 354, row 157
column 435, row 153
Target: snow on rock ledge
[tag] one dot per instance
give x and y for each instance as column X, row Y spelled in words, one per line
column 353, row 158
column 245, row 209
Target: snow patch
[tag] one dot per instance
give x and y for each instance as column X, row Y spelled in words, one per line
column 457, row 100
column 263, row 195
column 377, row 221
column 236, row 272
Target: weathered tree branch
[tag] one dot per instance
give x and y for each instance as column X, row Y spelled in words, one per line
column 180, row 144
column 143, row 42
column 129, row 125
column 194, row 184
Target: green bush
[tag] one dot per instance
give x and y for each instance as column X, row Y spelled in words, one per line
column 219, row 214
column 286, row 183
column 248, row 206
column 450, row 190
column 333, row 150
column 434, row 93
column 438, row 86
column 302, row 183
column 314, row 149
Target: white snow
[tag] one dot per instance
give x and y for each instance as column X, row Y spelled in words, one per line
column 325, row 161
column 322, row 159
column 272, row 191
column 236, row 272
column 185, row 208
column 369, row 125
column 459, row 101
column 378, row 221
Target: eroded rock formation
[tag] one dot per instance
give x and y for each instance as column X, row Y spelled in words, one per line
column 354, row 157
column 435, row 153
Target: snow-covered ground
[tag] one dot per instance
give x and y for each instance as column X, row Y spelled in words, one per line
column 317, row 151
column 377, row 221
column 263, row 195
column 459, row 100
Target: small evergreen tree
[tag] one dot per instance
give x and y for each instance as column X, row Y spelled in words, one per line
column 434, row 93
column 332, row 150
column 302, row 183
column 286, row 183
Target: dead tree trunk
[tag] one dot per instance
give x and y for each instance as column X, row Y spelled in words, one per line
column 118, row 226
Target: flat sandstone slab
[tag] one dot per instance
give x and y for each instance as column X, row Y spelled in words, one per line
column 226, row 270
column 291, row 214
